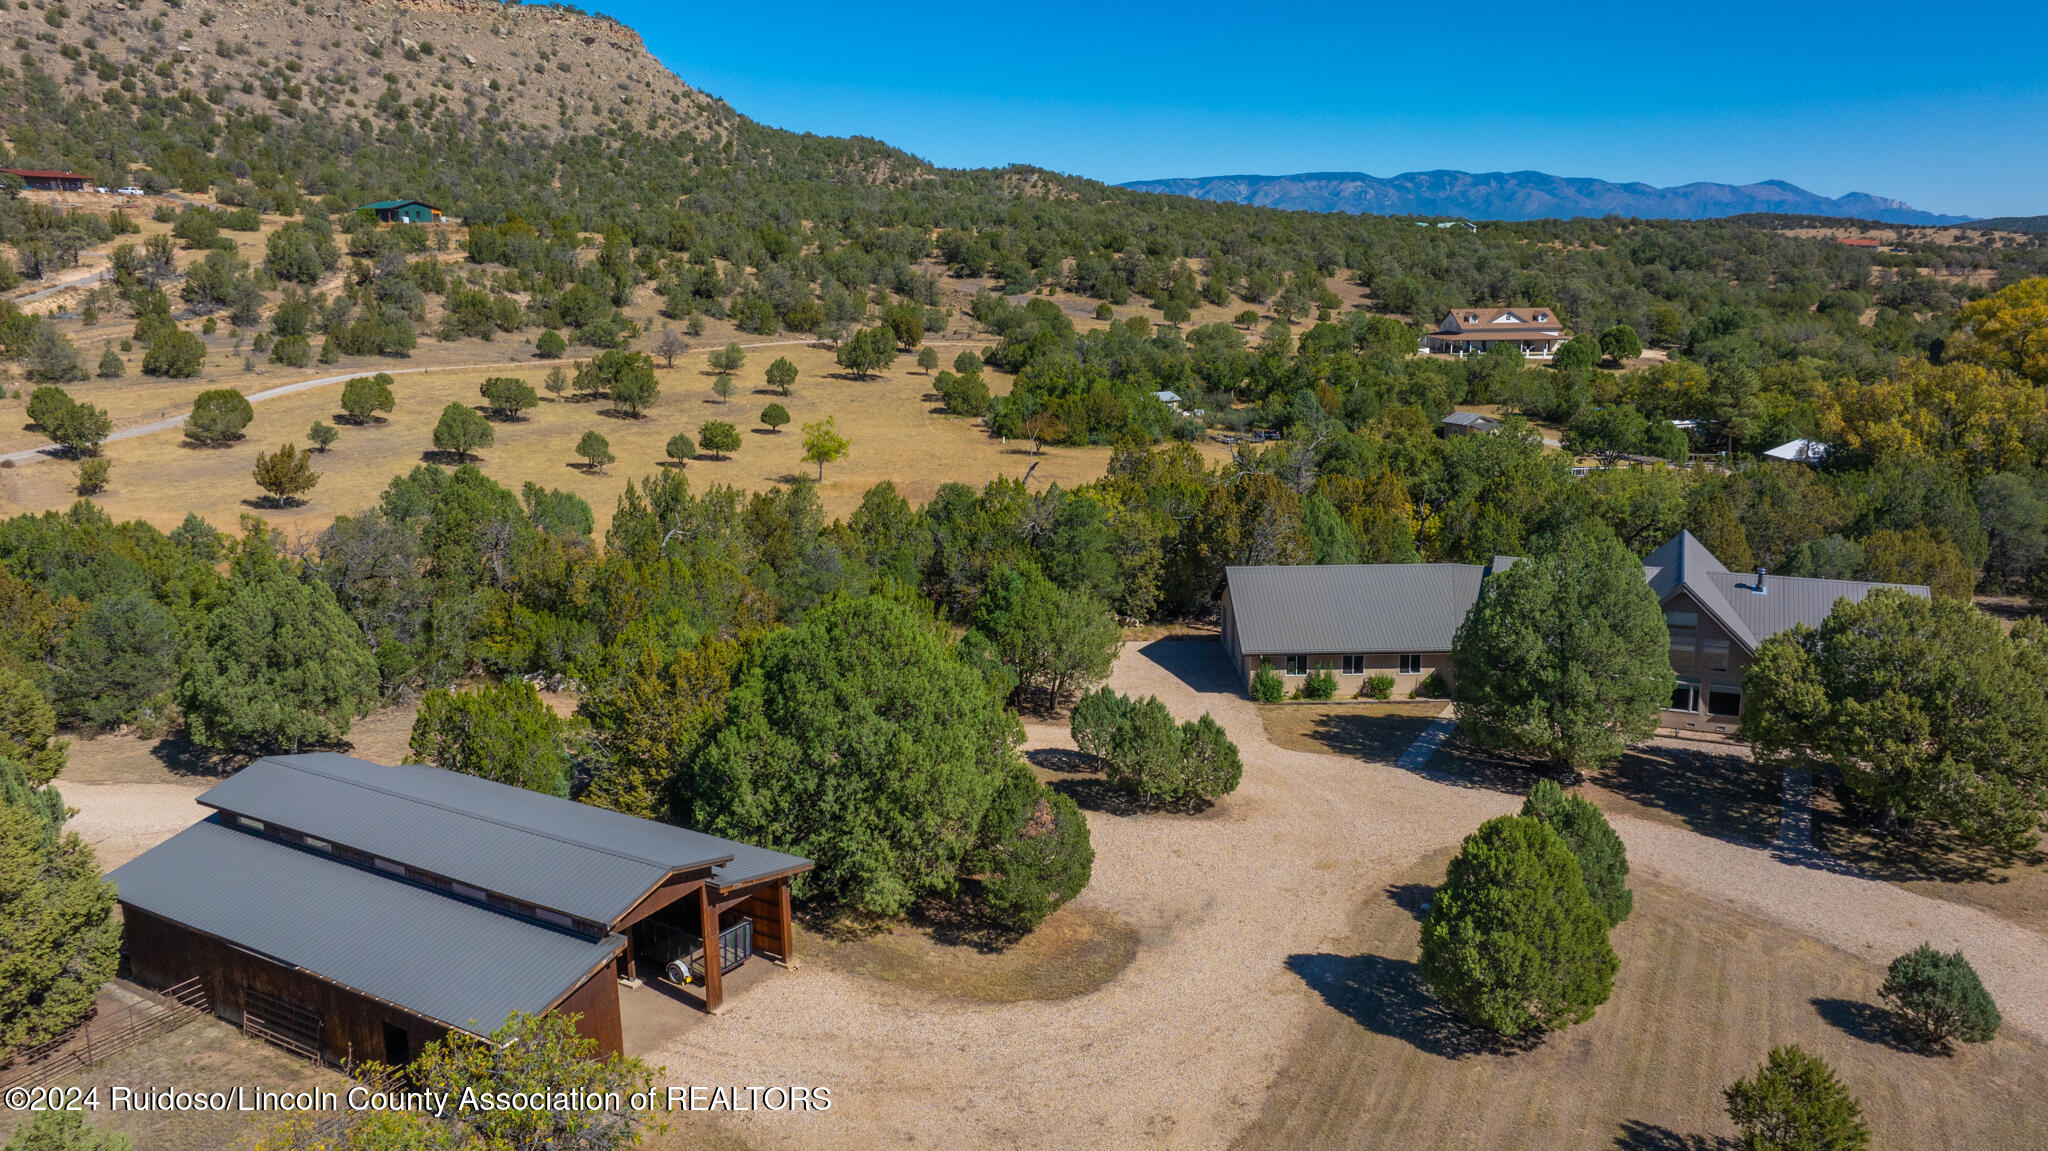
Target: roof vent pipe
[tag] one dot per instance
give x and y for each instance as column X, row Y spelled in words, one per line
column 1759, row 588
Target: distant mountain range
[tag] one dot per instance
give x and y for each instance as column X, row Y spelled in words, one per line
column 1531, row 196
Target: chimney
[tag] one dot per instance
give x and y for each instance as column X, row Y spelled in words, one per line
column 1759, row 588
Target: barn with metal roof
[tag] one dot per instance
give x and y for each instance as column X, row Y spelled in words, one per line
column 350, row 910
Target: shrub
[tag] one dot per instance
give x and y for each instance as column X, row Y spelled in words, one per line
column 1940, row 998
column 462, row 430
column 719, row 438
column 218, row 416
column 775, row 416
column 92, row 475
column 1320, row 684
column 550, row 345
column 1096, row 718
column 174, row 353
column 1603, row 861
column 1378, row 687
column 965, row 394
column 1267, row 686
column 322, row 436
column 1512, row 942
column 291, row 351
column 1210, row 765
column 112, row 367
column 595, row 450
column 1034, row 853
column 1433, row 687
column 1144, row 751
column 1795, row 1103
column 1148, row 756
column 364, row 396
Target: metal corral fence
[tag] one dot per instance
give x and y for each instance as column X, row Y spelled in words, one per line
column 103, row 1036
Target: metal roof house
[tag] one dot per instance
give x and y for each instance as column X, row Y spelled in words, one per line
column 403, row 211
column 1361, row 620
column 1536, row 332
column 1799, row 451
column 43, row 180
column 1467, row 424
column 347, row 910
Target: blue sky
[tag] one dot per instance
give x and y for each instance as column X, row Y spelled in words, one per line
column 1943, row 106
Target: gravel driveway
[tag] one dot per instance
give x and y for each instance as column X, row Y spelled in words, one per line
column 1179, row 1050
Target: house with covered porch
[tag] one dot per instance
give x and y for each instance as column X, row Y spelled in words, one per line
column 1535, row 332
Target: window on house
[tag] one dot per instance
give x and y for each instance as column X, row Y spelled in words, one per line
column 1724, row 698
column 1716, row 653
column 1297, row 665
column 1682, row 647
column 1686, row 696
column 317, row 844
column 554, row 917
column 468, row 892
column 390, row 866
column 251, row 824
column 1411, row 665
column 1354, row 665
column 1685, row 619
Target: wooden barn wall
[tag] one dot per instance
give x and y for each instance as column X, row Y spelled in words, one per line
column 162, row 953
column 595, row 1002
column 764, row 907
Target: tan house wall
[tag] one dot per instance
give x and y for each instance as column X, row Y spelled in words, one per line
column 1376, row 663
column 1698, row 665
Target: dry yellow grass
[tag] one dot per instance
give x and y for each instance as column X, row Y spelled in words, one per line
column 1703, row 994
column 1075, row 951
column 896, row 428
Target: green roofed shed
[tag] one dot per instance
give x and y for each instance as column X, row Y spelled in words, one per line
column 404, row 211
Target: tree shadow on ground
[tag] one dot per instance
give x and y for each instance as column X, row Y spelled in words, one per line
column 1870, row 1022
column 180, row 755
column 1412, row 898
column 448, row 459
column 1388, row 997
column 1461, row 763
column 1205, row 667
column 964, row 923
column 1098, row 794
column 1366, row 736
column 1064, row 760
column 1716, row 789
column 1637, row 1135
column 1907, row 851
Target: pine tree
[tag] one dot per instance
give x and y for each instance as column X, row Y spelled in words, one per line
column 286, row 473
column 58, row 940
column 506, row 733
column 112, row 366
column 1512, row 942
column 1603, row 861
column 247, row 684
column 28, row 728
column 1795, row 1103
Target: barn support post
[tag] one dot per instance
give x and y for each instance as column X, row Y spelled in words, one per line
column 714, row 959
column 785, row 930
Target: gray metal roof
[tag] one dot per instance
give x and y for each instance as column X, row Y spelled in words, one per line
column 1338, row 608
column 576, row 859
column 1471, row 420
column 454, row 962
column 1334, row 608
column 1683, row 563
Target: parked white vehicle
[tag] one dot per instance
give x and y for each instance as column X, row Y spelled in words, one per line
column 130, row 190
